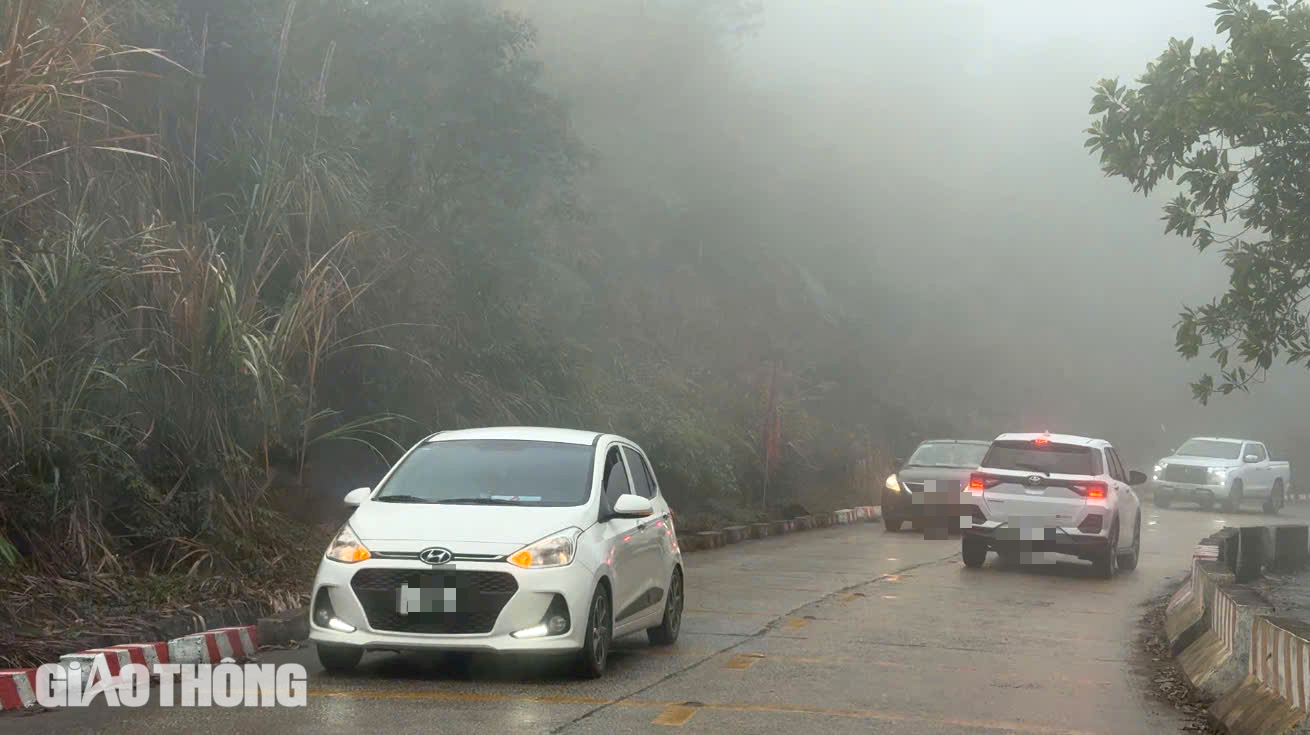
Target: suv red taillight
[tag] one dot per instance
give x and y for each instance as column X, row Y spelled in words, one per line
column 979, row 482
column 1090, row 490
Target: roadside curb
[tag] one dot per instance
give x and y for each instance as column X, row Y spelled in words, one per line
column 18, row 686
column 717, row 539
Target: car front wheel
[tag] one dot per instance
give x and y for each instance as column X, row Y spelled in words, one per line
column 339, row 659
column 596, row 646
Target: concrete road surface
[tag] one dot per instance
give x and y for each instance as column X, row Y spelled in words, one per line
column 845, row 630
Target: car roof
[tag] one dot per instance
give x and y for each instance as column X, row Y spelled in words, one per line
column 519, row 433
column 1081, row 441
column 956, row 441
column 1220, row 439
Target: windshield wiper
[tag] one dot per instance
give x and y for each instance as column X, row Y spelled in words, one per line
column 475, row 501
column 403, row 499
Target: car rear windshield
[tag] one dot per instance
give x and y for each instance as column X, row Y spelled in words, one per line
column 947, row 454
column 1211, row 448
column 492, row 472
column 1051, row 459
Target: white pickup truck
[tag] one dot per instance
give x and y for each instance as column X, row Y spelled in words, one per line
column 1208, row 470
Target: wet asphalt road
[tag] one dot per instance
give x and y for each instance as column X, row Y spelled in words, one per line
column 844, row 630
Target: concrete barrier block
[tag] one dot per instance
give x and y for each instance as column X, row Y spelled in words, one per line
column 1218, row 660
column 734, row 534
column 761, row 530
column 284, row 627
column 1254, row 551
column 1291, row 547
column 804, row 523
column 710, row 540
column 1275, row 694
column 780, row 527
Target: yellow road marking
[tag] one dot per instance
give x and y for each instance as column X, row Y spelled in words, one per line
column 668, row 707
column 743, row 660
column 797, row 623
column 675, row 715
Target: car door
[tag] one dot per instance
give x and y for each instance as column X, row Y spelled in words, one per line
column 621, row 535
column 1125, row 497
column 650, row 530
column 1264, row 476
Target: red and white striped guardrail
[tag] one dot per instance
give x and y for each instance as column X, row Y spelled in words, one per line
column 1280, row 660
column 18, row 686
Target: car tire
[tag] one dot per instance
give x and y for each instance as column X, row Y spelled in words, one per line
column 1106, row 563
column 1275, row 501
column 1128, row 559
column 1234, row 501
column 599, row 634
column 974, row 551
column 891, row 524
column 666, row 633
column 1162, row 500
column 338, row 659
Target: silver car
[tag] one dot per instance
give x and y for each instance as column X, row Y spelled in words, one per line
column 1038, row 494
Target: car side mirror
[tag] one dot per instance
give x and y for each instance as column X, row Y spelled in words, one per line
column 357, row 496
column 632, row 506
column 1136, row 478
column 900, row 461
column 1251, row 459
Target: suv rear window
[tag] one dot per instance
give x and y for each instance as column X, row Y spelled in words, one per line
column 1054, row 459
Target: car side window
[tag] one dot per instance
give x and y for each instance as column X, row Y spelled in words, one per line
column 1258, row 450
column 615, row 478
column 640, row 473
column 1116, row 467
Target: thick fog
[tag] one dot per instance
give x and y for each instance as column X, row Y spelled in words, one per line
column 928, row 158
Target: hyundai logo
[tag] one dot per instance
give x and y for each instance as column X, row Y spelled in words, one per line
column 1034, row 480
column 435, row 555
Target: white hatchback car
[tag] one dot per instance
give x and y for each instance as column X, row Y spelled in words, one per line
column 508, row 540
column 1059, row 494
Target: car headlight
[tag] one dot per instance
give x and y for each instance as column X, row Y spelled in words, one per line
column 556, row 550
column 1218, row 471
column 347, row 548
column 892, row 483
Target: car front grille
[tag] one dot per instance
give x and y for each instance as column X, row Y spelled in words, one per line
column 479, row 598
column 1183, row 473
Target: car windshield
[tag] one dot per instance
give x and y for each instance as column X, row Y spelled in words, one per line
column 1050, row 459
column 492, row 472
column 1212, row 448
column 947, row 454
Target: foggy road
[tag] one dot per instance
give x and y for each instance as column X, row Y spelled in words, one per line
column 843, row 630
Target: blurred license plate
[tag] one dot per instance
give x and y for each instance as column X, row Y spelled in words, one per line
column 425, row 599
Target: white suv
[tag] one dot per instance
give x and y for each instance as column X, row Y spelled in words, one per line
column 1053, row 493
column 510, row 540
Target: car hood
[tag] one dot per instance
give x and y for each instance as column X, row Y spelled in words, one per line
column 940, row 474
column 475, row 528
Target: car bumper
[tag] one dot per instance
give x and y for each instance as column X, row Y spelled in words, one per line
column 1068, row 541
column 1190, row 491
column 923, row 507
column 526, row 608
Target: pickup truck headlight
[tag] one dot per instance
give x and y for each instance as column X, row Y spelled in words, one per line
column 1218, row 473
column 892, row 483
column 1156, row 470
column 555, row 550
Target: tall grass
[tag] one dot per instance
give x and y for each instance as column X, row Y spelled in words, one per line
column 158, row 364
